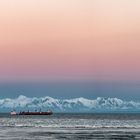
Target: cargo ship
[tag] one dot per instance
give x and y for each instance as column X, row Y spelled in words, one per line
column 49, row 112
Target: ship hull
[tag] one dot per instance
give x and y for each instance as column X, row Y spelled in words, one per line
column 35, row 113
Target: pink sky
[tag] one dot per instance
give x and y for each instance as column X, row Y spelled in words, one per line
column 69, row 39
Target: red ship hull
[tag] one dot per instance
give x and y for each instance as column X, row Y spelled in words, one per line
column 35, row 113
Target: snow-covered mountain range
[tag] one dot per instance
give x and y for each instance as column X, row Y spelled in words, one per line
column 69, row 105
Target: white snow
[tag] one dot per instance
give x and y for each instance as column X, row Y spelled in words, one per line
column 77, row 104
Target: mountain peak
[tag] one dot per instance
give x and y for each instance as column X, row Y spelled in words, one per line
column 22, row 97
column 70, row 105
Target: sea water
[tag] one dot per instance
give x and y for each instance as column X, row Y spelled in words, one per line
column 70, row 127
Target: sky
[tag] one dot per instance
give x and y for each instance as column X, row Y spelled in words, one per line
column 53, row 43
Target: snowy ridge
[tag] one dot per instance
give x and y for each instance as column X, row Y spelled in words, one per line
column 70, row 105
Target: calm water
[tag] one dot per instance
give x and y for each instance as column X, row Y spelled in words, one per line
column 70, row 126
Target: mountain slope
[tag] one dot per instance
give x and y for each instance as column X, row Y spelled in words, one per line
column 69, row 105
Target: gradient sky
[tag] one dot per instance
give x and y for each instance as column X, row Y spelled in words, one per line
column 69, row 40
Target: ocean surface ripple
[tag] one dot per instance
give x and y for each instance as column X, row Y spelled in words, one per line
column 70, row 126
